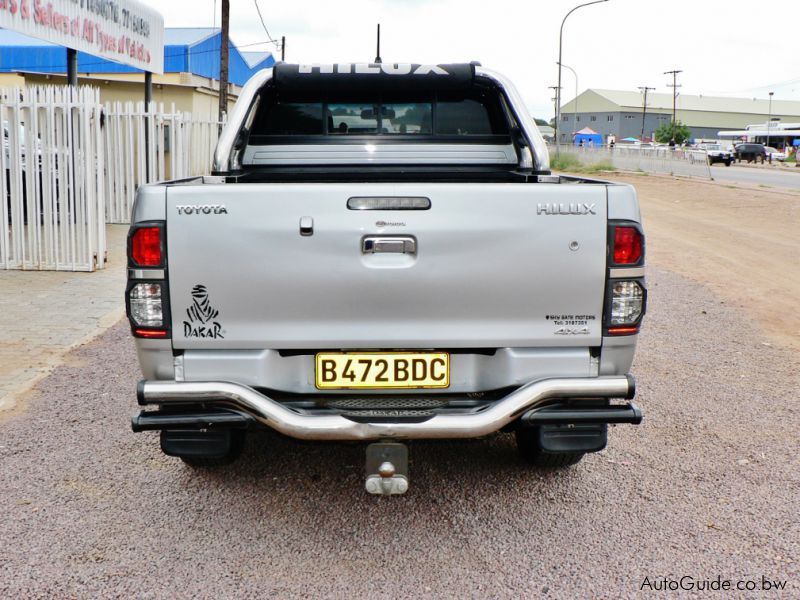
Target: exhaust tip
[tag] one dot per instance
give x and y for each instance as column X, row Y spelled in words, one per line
column 140, row 393
column 631, row 387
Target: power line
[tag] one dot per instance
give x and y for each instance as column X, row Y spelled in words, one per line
column 762, row 87
column 264, row 25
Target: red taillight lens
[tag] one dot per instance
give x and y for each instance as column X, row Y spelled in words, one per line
column 627, row 245
column 146, row 247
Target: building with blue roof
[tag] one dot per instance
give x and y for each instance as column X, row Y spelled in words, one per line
column 191, row 69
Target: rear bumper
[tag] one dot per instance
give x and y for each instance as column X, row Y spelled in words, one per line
column 541, row 401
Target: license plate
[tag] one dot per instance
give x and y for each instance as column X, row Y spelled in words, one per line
column 382, row 370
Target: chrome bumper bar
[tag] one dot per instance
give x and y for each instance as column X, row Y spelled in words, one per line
column 336, row 427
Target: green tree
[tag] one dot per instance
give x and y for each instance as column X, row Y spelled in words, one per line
column 540, row 121
column 672, row 131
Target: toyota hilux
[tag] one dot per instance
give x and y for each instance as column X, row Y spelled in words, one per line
column 382, row 254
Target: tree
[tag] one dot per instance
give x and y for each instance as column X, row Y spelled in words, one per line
column 669, row 131
column 540, row 122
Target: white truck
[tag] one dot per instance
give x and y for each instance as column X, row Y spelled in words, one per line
column 382, row 255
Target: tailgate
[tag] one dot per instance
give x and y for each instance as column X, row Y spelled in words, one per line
column 494, row 265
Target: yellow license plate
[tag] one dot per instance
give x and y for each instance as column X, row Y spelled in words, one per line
column 382, row 370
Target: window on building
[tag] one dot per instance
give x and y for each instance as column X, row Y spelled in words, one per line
column 593, row 118
column 610, row 118
column 564, row 118
column 578, row 118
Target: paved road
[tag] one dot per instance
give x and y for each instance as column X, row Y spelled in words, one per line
column 706, row 487
column 770, row 177
column 44, row 313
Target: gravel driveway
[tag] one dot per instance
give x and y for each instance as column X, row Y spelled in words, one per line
column 708, row 486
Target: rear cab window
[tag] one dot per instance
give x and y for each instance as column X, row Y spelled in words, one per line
column 472, row 117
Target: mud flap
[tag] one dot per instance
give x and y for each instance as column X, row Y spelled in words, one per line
column 573, row 438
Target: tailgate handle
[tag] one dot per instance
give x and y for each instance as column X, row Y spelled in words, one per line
column 400, row 244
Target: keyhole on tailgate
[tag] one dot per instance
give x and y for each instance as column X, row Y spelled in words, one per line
column 574, row 245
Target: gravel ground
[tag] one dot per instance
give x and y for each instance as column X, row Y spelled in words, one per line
column 707, row 486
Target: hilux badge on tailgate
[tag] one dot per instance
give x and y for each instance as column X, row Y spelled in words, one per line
column 553, row 208
column 201, row 323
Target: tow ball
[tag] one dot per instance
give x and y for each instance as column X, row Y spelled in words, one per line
column 387, row 469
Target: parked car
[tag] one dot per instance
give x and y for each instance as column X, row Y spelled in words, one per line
column 385, row 286
column 714, row 153
column 775, row 154
column 750, row 152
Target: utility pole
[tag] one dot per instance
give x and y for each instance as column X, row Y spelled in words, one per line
column 283, row 48
column 72, row 67
column 223, row 62
column 769, row 121
column 555, row 107
column 674, row 85
column 378, row 55
column 644, row 89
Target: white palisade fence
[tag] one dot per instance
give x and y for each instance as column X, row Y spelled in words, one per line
column 70, row 165
column 180, row 146
column 52, row 215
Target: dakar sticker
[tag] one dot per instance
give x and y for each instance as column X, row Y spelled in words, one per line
column 202, row 315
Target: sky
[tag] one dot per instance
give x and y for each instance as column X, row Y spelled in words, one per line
column 723, row 47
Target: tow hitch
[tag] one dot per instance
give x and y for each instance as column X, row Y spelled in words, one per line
column 387, row 469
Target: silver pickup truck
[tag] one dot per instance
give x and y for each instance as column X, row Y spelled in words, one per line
column 382, row 254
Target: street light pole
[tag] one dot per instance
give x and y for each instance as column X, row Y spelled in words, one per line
column 575, row 114
column 558, row 91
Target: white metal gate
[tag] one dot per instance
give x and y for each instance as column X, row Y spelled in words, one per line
column 52, row 215
column 180, row 146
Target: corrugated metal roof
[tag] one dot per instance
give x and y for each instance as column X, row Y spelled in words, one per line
column 188, row 36
column 660, row 101
column 12, row 38
column 186, row 50
column 254, row 58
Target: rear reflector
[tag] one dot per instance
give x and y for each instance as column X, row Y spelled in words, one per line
column 150, row 333
column 623, row 330
column 627, row 245
column 146, row 247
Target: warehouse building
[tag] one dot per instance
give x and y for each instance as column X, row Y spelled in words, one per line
column 190, row 79
column 619, row 113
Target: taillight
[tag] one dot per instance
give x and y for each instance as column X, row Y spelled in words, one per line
column 626, row 294
column 146, row 247
column 625, row 306
column 627, row 245
column 147, row 292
